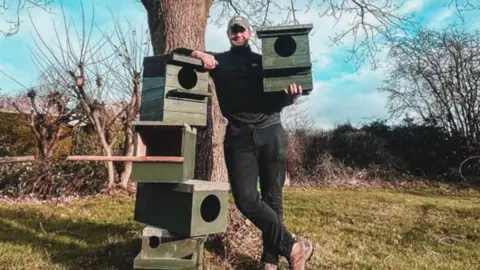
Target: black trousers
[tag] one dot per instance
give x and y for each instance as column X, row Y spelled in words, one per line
column 252, row 153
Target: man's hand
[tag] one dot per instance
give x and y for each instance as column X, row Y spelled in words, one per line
column 208, row 60
column 293, row 90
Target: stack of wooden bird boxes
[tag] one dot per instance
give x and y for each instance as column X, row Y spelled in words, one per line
column 179, row 210
column 286, row 57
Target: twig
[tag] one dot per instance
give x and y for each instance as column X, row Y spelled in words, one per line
column 69, row 233
column 445, row 238
column 43, row 230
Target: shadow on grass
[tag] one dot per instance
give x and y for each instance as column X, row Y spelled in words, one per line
column 73, row 245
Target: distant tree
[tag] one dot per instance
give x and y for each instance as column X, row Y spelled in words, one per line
column 436, row 75
column 295, row 118
column 47, row 114
column 101, row 71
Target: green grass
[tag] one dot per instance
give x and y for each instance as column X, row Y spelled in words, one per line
column 352, row 229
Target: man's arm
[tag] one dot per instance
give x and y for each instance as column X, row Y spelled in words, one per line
column 208, row 58
column 193, row 53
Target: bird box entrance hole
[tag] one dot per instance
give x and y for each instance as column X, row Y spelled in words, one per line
column 285, row 46
column 210, row 208
column 187, row 77
column 153, row 242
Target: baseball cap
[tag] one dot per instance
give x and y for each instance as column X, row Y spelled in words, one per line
column 239, row 20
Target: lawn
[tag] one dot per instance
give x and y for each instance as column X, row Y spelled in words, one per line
column 352, row 229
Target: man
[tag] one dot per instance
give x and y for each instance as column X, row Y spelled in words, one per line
column 255, row 141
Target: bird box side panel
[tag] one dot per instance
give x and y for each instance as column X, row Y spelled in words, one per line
column 154, row 66
column 160, row 141
column 152, row 98
column 209, row 212
column 189, row 144
column 158, row 206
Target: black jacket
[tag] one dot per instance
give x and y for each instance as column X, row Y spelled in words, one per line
column 238, row 79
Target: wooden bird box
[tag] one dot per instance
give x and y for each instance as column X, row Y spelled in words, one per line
column 157, row 139
column 191, row 208
column 286, row 57
column 174, row 90
column 163, row 250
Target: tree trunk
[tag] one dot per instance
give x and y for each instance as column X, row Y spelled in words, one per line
column 182, row 23
column 107, row 149
column 210, row 163
column 127, row 151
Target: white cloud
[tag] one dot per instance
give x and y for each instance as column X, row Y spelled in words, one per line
column 438, row 20
column 351, row 97
column 412, row 6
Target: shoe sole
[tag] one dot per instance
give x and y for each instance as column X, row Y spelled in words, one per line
column 309, row 256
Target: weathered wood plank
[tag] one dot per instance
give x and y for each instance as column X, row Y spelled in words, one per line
column 152, row 82
column 300, row 29
column 189, row 144
column 153, row 116
column 179, row 105
column 164, row 263
column 19, row 159
column 153, row 108
column 153, row 93
column 156, row 124
column 157, row 172
column 127, row 159
column 154, row 66
column 194, row 119
column 140, row 149
column 287, row 62
column 185, row 59
column 280, row 83
column 193, row 185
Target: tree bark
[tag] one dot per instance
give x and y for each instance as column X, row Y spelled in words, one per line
column 182, row 23
column 131, row 112
column 107, row 149
column 128, row 150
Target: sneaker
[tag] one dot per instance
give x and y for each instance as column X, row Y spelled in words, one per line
column 301, row 252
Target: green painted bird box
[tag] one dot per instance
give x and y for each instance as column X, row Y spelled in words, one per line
column 174, row 145
column 286, row 57
column 192, row 208
column 174, row 90
column 163, row 250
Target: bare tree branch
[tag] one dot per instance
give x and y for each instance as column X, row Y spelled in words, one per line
column 18, row 6
column 437, row 76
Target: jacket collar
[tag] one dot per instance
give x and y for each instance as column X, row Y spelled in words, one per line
column 241, row 50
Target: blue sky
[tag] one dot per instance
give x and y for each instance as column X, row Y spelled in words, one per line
column 341, row 92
